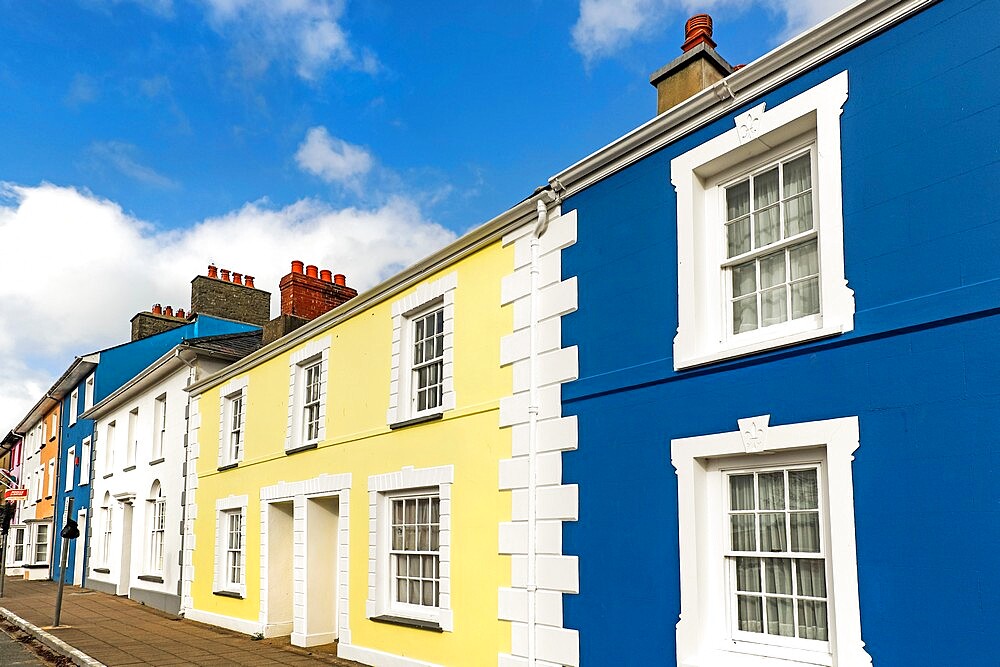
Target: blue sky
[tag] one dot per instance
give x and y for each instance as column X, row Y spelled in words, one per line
column 146, row 138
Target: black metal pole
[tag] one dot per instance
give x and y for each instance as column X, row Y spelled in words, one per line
column 62, row 563
column 3, row 564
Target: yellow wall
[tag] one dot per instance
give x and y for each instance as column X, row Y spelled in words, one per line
column 359, row 441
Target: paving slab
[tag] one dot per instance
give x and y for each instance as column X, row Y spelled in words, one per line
column 116, row 631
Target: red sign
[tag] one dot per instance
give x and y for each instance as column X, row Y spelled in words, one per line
column 15, row 494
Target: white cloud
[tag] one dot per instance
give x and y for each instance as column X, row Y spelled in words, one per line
column 309, row 31
column 78, row 267
column 332, row 159
column 121, row 157
column 82, row 90
column 605, row 27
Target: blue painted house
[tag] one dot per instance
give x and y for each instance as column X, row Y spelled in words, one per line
column 218, row 307
column 783, row 299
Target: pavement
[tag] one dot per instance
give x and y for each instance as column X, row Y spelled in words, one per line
column 100, row 629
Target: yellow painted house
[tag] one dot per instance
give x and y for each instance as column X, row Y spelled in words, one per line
column 344, row 482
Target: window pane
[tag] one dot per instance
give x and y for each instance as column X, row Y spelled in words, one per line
column 741, row 492
column 435, row 510
column 414, row 592
column 429, row 569
column 749, row 613
column 774, row 308
column 411, row 510
column 778, row 575
column 798, row 175
column 805, row 531
column 803, row 260
column 397, row 512
column 423, row 513
column 397, row 538
column 811, row 577
column 772, row 532
column 423, row 538
column 743, row 535
column 766, row 227
column 780, row 617
column 738, row 200
column 765, row 188
column 738, row 237
column 772, row 270
column 748, row 574
column 745, row 314
column 428, row 597
column 772, row 490
column 413, row 563
column 401, row 591
column 805, row 298
column 798, row 214
column 434, row 538
column 410, row 542
column 745, row 279
column 803, row 490
column 812, row 620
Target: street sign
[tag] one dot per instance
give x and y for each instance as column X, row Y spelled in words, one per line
column 15, row 494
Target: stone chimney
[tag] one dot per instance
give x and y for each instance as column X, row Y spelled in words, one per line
column 231, row 296
column 697, row 68
column 306, row 293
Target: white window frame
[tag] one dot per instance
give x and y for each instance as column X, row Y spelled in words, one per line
column 88, row 393
column 382, row 489
column 70, row 467
column 19, row 531
column 132, row 445
column 85, row 454
column 314, row 352
column 405, row 311
column 109, row 447
column 157, row 528
column 51, row 487
column 159, row 426
column 231, row 393
column 37, row 542
column 225, row 508
column 704, row 634
column 704, row 332
column 108, row 510
column 74, row 402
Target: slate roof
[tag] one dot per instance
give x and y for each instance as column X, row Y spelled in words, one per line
column 231, row 346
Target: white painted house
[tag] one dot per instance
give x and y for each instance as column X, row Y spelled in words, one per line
column 140, row 436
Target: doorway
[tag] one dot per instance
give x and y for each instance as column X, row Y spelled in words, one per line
column 280, row 569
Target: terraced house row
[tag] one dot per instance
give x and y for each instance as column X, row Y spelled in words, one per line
column 720, row 394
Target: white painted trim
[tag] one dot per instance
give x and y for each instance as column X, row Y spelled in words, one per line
column 191, row 509
column 704, row 324
column 402, row 311
column 224, row 507
column 298, row 492
column 840, row 32
column 380, row 489
column 702, row 640
column 319, row 347
column 228, row 622
column 540, row 502
column 370, row 656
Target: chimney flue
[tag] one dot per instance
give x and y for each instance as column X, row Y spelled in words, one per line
column 225, row 274
column 326, row 275
column 157, row 309
column 340, row 279
column 168, row 311
column 248, row 281
column 237, row 278
column 180, row 313
column 697, row 68
column 312, row 271
column 213, row 271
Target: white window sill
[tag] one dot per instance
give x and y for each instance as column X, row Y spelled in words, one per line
column 737, row 656
column 722, row 354
column 313, row 444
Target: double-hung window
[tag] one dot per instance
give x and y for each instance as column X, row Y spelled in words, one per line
column 157, row 524
column 108, row 511
column 308, row 377
column 232, row 421
column 416, row 524
column 422, row 385
column 74, row 403
column 159, row 426
column 18, row 545
column 776, row 560
column 70, row 468
column 132, row 445
column 768, row 559
column 760, row 242
column 42, row 543
column 230, row 546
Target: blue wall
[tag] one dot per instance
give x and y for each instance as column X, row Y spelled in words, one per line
column 117, row 366
column 921, row 179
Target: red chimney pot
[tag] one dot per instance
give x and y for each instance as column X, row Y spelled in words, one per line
column 312, row 271
column 169, row 311
column 697, row 30
column 157, row 309
column 248, row 281
column 340, row 279
column 238, row 278
column 180, row 313
column 213, row 271
column 297, row 266
column 325, row 275
column 225, row 274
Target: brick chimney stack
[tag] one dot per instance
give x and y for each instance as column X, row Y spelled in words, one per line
column 306, row 293
column 697, row 68
column 230, row 295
